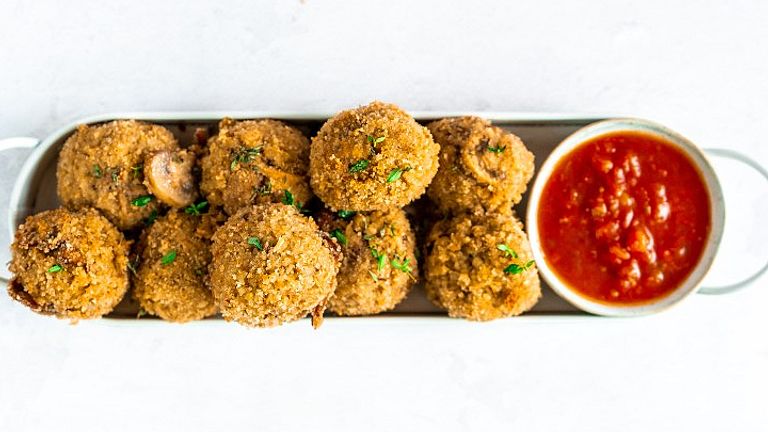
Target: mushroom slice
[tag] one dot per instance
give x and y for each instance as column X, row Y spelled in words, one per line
column 168, row 176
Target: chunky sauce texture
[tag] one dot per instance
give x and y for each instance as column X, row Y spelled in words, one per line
column 624, row 218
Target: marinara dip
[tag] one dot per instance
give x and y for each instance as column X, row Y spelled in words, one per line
column 624, row 218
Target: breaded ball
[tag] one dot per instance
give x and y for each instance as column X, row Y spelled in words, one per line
column 71, row 264
column 171, row 275
column 481, row 268
column 103, row 167
column 371, row 158
column 255, row 161
column 482, row 167
column 379, row 266
column 272, row 265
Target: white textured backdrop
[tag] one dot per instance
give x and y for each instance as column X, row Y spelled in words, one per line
column 699, row 67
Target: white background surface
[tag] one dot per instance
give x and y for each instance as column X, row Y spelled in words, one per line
column 700, row 67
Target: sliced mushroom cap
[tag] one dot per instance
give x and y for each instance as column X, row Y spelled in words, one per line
column 168, row 176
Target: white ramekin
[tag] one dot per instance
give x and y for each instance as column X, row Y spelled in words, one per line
column 717, row 209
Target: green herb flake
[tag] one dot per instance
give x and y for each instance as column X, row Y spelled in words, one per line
column 151, row 218
column 288, row 197
column 373, row 276
column 346, row 214
column 140, row 313
column 396, row 173
column 265, row 189
column 142, row 200
column 517, row 269
column 137, row 170
column 114, row 175
column 255, row 242
column 375, row 140
column 497, row 149
column 169, row 257
column 338, row 235
column 507, row 250
column 96, row 170
column 403, row 265
column 132, row 266
column 381, row 261
column 244, row 155
column 196, row 209
column 359, row 166
column 55, row 268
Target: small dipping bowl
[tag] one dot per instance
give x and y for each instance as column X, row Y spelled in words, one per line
column 685, row 286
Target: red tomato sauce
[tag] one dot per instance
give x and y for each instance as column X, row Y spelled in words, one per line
column 624, row 218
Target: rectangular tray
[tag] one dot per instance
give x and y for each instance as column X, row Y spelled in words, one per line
column 540, row 132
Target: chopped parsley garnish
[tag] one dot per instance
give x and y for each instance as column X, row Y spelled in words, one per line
column 169, row 257
column 507, row 250
column 244, row 155
column 137, row 170
column 151, row 218
column 373, row 276
column 140, row 313
column 132, row 266
column 288, row 198
column 395, row 174
column 403, row 265
column 346, row 214
column 375, row 140
column 115, row 173
column 265, row 189
column 142, row 200
column 359, row 165
column 255, row 242
column 96, row 169
column 517, row 269
column 196, row 209
column 338, row 235
column 381, row 259
column 497, row 149
column 55, row 268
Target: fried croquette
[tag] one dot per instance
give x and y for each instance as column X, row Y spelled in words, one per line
column 71, row 264
column 255, row 161
column 379, row 266
column 102, row 167
column 171, row 273
column 481, row 268
column 372, row 158
column 482, row 167
column 272, row 265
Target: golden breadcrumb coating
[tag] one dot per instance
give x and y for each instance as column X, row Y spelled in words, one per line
column 255, row 161
column 171, row 275
column 379, row 266
column 102, row 167
column 482, row 167
column 272, row 265
column 468, row 274
column 372, row 158
column 71, row 264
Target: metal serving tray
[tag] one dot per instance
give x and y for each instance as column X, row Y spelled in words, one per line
column 35, row 185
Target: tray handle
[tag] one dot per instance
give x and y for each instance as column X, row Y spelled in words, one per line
column 750, row 164
column 13, row 152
